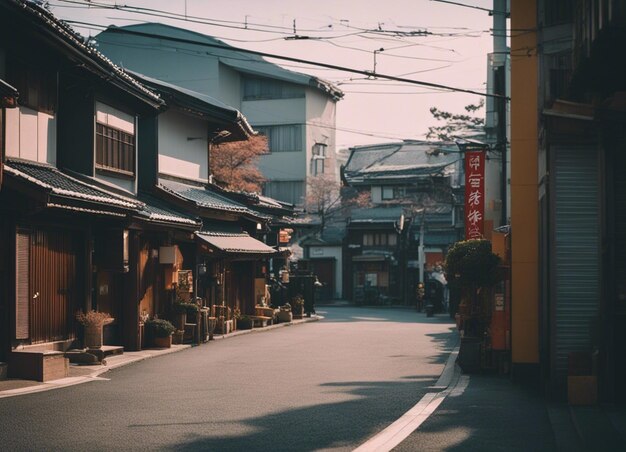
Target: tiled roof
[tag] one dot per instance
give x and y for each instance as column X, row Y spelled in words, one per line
column 59, row 183
column 400, row 160
column 235, row 243
column 100, row 63
column 376, row 214
column 203, row 197
column 156, row 210
column 198, row 102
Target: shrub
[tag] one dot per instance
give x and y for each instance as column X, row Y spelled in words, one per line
column 159, row 327
column 93, row 318
column 472, row 264
column 181, row 307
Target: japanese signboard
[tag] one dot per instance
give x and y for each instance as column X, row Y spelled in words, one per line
column 474, row 194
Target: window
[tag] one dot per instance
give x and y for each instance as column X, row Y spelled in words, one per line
column 391, row 192
column 115, row 140
column 287, row 191
column 37, row 86
column 379, row 239
column 283, row 138
column 387, row 193
column 318, row 159
column 255, row 88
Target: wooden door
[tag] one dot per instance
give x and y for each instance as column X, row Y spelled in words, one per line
column 49, row 284
column 324, row 269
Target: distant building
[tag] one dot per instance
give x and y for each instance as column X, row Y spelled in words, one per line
column 295, row 111
column 416, row 192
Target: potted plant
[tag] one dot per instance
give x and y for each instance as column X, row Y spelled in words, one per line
column 472, row 267
column 182, row 310
column 244, row 322
column 284, row 313
column 93, row 323
column 297, row 306
column 161, row 332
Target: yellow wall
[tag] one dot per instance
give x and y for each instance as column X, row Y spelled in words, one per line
column 524, row 193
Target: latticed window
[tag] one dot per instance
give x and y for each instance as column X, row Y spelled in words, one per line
column 115, row 140
column 115, row 150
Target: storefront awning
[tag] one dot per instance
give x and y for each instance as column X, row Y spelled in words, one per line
column 234, row 243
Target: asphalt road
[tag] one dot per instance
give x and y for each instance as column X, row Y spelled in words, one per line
column 326, row 385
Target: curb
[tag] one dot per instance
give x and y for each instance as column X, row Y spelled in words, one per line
column 450, row 382
column 95, row 375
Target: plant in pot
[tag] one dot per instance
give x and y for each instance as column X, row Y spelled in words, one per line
column 160, row 331
column 182, row 310
column 284, row 313
column 472, row 267
column 244, row 322
column 93, row 323
column 297, row 306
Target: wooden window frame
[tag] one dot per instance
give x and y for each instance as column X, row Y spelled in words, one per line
column 113, row 153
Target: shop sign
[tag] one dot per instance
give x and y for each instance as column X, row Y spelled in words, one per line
column 474, row 194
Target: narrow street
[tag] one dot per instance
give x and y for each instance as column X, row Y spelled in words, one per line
column 325, row 385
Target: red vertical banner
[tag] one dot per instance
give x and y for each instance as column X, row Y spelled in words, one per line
column 474, row 194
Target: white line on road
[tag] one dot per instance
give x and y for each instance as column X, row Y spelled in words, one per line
column 450, row 380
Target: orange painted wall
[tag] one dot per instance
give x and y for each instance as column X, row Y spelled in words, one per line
column 524, row 191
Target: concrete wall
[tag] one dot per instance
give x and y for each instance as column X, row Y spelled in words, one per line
column 230, row 86
column 524, row 192
column 321, row 119
column 317, row 252
column 181, row 64
column 179, row 156
column 279, row 165
column 31, row 135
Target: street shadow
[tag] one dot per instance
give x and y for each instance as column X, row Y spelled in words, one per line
column 445, row 342
column 380, row 314
column 490, row 414
column 329, row 425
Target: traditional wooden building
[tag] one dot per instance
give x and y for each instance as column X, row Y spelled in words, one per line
column 71, row 211
column 415, row 189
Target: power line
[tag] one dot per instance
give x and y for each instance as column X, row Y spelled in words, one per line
column 302, row 61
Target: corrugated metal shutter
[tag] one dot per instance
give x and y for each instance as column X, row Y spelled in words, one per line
column 22, row 302
column 577, row 251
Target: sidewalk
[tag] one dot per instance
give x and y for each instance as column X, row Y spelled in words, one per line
column 489, row 413
column 82, row 373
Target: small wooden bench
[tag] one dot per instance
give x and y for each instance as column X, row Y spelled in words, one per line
column 260, row 320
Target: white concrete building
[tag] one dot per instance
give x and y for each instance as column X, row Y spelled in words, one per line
column 295, row 111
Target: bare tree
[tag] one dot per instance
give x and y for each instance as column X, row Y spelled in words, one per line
column 326, row 199
column 234, row 164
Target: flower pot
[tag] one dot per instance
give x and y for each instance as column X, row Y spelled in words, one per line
column 285, row 316
column 177, row 337
column 298, row 312
column 163, row 342
column 93, row 336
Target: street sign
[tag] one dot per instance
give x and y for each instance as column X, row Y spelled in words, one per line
column 474, row 194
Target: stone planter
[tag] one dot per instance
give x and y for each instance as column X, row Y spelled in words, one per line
column 163, row 342
column 93, row 336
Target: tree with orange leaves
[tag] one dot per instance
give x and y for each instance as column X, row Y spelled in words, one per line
column 234, row 164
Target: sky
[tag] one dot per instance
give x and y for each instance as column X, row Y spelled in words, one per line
column 424, row 40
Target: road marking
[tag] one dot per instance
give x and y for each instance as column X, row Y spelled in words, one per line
column 450, row 380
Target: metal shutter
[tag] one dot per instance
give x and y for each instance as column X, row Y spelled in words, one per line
column 577, row 251
column 22, row 290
